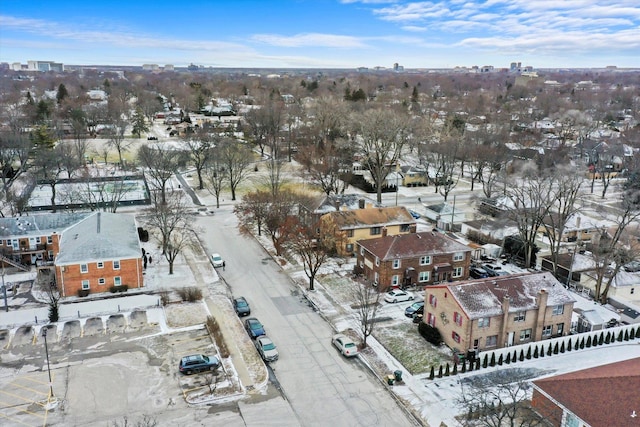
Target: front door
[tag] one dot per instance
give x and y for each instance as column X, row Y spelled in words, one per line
column 510, row 338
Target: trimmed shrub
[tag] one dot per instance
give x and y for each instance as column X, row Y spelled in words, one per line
column 562, row 347
column 619, row 336
column 430, row 333
column 626, row 335
column 521, row 358
column 432, row 374
column 492, row 362
column 440, row 372
column 214, row 329
column 549, row 350
column 477, row 363
column 446, row 370
column 528, row 356
column 555, row 348
column 588, row 341
column 632, row 335
column 607, row 339
column 485, row 361
column 535, row 353
column 83, row 292
column 464, row 367
column 542, row 351
column 601, row 339
column 582, row 343
column 508, row 360
column 500, row 360
column 569, row 345
column 455, row 369
column 515, row 356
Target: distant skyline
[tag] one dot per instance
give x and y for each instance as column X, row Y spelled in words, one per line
column 323, row 33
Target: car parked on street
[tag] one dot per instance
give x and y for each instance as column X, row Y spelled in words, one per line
column 413, row 308
column 492, row 270
column 345, row 345
column 398, row 295
column 217, row 260
column 198, row 363
column 241, row 306
column 267, row 349
column 254, row 327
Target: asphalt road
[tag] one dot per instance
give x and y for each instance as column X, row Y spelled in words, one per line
column 322, row 387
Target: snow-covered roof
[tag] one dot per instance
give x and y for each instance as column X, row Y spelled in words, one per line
column 484, row 297
column 38, row 225
column 102, row 236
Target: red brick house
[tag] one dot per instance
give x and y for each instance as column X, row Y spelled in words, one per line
column 603, row 396
column 413, row 259
column 100, row 252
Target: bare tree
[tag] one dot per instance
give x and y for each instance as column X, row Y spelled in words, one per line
column 253, row 210
column 329, row 164
column 366, row 303
column 115, row 132
column 303, row 241
column 277, row 219
column 235, row 160
column 15, row 147
column 160, row 163
column 382, row 134
column 498, row 399
column 200, row 148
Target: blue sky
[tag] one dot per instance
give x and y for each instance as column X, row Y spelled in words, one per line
column 323, row 33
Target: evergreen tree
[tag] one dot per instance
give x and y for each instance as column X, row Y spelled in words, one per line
column 589, row 341
column 508, row 358
column 485, row 361
column 535, row 353
column 440, row 372
column 529, row 353
column 432, row 374
column 455, row 369
column 446, row 370
column 521, row 358
column 555, row 348
column 62, row 93
column 601, row 339
column 569, row 345
column 542, row 351
column 562, row 347
column 138, row 122
column 500, row 360
column 414, row 95
column 492, row 362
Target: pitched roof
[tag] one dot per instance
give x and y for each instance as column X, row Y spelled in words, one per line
column 39, row 225
column 484, row 297
column 371, row 217
column 412, row 245
column 602, row 396
column 101, row 236
column 327, row 203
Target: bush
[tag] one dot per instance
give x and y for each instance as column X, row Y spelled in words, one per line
column 430, row 333
column 214, row 329
column 83, row 292
column 190, row 294
column 121, row 288
column 164, row 298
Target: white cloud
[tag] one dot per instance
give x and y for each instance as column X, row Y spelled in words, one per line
column 310, row 39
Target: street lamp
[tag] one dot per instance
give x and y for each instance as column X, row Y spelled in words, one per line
column 46, row 349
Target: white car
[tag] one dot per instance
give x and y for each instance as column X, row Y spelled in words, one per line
column 345, row 344
column 267, row 349
column 398, row 295
column 217, row 260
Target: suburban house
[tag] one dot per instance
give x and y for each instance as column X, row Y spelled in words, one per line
column 499, row 311
column 345, row 228
column 444, row 215
column 574, row 265
column 577, row 228
column 311, row 210
column 33, row 239
column 100, row 253
column 413, row 259
column 490, row 230
column 599, row 396
column 414, row 176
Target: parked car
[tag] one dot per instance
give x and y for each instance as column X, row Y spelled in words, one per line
column 254, row 327
column 267, row 349
column 217, row 260
column 241, row 306
column 492, row 270
column 478, row 273
column 632, row 267
column 414, row 214
column 398, row 295
column 345, row 345
column 198, row 363
column 152, row 138
column 418, row 316
column 413, row 308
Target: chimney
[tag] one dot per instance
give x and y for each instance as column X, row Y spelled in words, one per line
column 384, row 231
column 361, row 203
column 578, row 218
column 98, row 223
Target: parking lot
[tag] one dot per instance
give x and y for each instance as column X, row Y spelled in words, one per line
column 104, row 368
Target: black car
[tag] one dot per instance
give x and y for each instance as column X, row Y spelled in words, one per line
column 414, row 308
column 152, row 138
column 478, row 273
column 254, row 327
column 198, row 363
column 241, row 306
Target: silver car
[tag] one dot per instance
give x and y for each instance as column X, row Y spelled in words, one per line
column 267, row 349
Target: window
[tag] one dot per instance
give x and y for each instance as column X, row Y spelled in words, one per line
column 457, row 317
column 431, row 319
column 349, row 247
column 425, row 260
column 376, row 278
column 547, row 330
column 375, row 231
column 394, row 280
column 492, row 341
column 50, row 255
column 423, row 276
column 404, row 228
column 484, row 322
column 558, row 309
column 84, row 268
column 631, row 291
column 116, row 265
column 457, row 272
column 361, row 250
column 458, row 256
column 525, row 334
column 455, row 336
column 49, row 239
column 560, row 328
column 396, row 263
column 117, row 281
column 100, row 264
column 85, row 285
column 377, row 261
column 38, row 241
column 101, row 281
column 349, row 233
column 520, row 316
column 433, row 300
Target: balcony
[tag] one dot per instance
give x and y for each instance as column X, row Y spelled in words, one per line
column 24, row 250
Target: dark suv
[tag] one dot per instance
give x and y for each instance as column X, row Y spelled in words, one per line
column 241, row 306
column 198, row 363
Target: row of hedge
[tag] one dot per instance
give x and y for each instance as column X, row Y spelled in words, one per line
column 534, row 350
